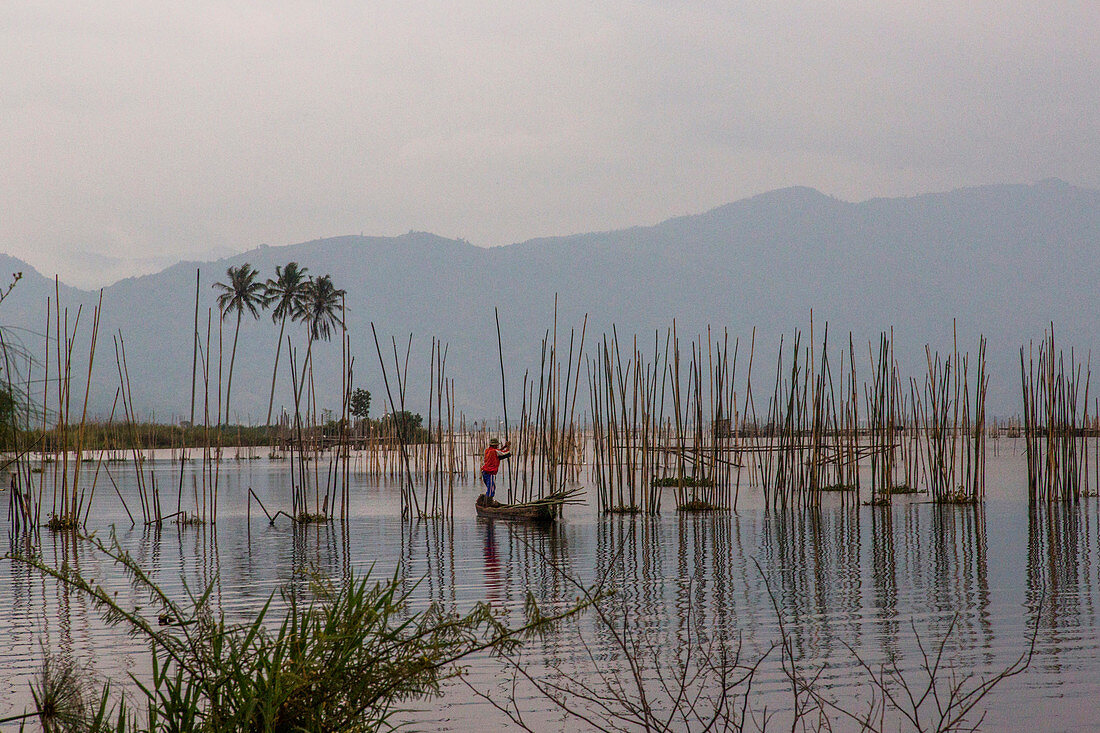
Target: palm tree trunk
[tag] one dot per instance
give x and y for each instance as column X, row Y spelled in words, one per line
column 232, row 357
column 278, row 350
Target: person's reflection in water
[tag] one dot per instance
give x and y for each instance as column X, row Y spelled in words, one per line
column 494, row 575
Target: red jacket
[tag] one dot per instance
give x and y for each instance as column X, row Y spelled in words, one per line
column 492, row 459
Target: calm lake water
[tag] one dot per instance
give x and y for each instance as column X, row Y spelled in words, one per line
column 844, row 578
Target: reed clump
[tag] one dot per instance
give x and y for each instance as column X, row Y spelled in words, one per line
column 64, row 699
column 62, row 523
column 1056, row 417
column 961, row 495
column 950, row 414
column 809, row 437
column 686, row 481
column 698, row 505
column 665, row 420
column 432, row 451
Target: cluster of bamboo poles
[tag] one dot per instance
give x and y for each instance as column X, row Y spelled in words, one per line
column 548, row 442
column 438, row 459
column 69, row 502
column 320, row 489
column 204, row 488
column 813, row 439
column 149, row 499
column 71, row 493
column 656, row 424
column 884, row 417
column 800, row 442
column 626, row 428
column 898, row 434
column 1055, row 395
column 951, row 418
column 638, row 448
column 816, row 441
column 432, row 454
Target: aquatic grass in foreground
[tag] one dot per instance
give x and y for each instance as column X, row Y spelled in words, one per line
column 341, row 661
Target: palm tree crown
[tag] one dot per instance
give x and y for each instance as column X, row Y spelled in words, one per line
column 242, row 292
column 319, row 307
column 285, row 290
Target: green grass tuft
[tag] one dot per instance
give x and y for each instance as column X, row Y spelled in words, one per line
column 674, row 482
column 698, row 506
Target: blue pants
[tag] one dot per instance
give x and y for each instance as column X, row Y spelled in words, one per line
column 490, row 480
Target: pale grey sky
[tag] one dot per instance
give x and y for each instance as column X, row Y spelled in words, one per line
column 136, row 133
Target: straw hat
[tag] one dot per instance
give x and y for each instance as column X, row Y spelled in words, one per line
column 494, row 442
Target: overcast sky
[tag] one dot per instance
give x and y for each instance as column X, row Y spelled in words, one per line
column 136, row 133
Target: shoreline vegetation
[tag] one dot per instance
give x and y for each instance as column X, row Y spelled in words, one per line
column 104, row 436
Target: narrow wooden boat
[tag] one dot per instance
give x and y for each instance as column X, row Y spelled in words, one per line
column 519, row 512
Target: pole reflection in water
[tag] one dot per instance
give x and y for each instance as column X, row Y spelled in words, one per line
column 960, row 584
column 884, row 580
column 1059, row 573
column 811, row 572
column 429, row 569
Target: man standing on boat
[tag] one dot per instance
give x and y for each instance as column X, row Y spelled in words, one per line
column 493, row 455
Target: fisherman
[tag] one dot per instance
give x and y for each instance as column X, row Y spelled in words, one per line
column 493, row 456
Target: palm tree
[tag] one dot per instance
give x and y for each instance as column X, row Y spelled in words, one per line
column 319, row 307
column 242, row 292
column 286, row 291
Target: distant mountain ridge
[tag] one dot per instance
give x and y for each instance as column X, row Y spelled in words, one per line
column 1002, row 260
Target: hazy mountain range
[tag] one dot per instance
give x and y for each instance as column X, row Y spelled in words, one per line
column 1004, row 261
